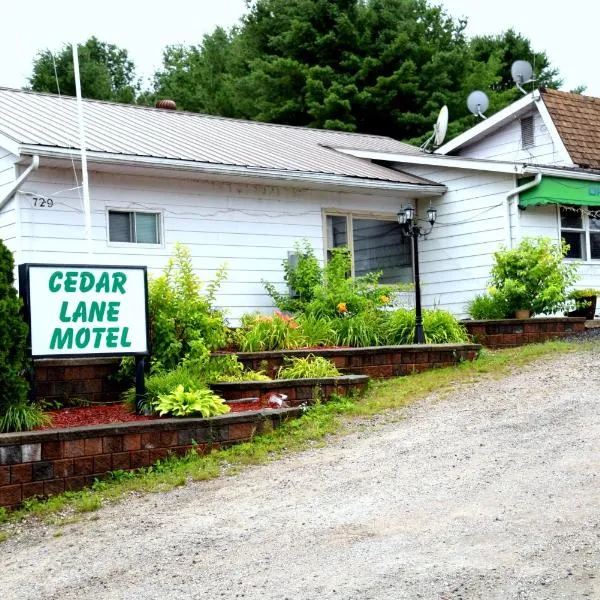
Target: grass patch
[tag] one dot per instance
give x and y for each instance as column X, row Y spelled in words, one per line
column 310, row 430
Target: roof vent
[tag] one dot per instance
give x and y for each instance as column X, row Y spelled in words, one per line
column 527, row 135
column 166, row 104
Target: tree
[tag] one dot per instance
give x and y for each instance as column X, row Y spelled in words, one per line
column 106, row 72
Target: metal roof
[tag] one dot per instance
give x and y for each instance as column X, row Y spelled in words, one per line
column 50, row 121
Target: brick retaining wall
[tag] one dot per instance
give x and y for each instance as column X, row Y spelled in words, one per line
column 377, row 361
column 505, row 333
column 42, row 463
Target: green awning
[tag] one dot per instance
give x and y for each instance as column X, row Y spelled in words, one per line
column 555, row 190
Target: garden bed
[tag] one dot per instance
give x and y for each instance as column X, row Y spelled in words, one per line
column 506, row 333
column 375, row 361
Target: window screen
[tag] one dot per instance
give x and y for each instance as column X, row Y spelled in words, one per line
column 146, row 228
column 119, row 227
column 133, row 227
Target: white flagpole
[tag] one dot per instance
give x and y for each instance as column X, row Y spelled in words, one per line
column 86, row 189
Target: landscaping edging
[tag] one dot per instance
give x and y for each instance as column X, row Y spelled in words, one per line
column 297, row 391
column 375, row 361
column 505, row 333
column 42, row 463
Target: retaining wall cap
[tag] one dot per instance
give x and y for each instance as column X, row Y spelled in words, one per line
column 363, row 350
column 517, row 321
column 73, row 433
column 278, row 383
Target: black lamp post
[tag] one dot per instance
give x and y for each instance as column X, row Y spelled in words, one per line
column 407, row 218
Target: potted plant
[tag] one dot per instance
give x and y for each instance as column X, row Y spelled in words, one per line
column 585, row 303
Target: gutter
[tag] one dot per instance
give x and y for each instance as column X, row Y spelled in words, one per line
column 35, row 163
column 238, row 171
column 522, row 188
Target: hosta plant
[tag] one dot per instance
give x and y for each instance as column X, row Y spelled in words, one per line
column 182, row 403
column 310, row 367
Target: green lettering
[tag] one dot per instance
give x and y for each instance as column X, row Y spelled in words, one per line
column 71, row 281
column 119, row 280
column 103, row 284
column 79, row 314
column 60, row 340
column 63, row 312
column 113, row 311
column 52, row 284
column 82, row 339
column 97, row 310
column 125, row 343
column 86, row 281
column 98, row 331
column 111, row 337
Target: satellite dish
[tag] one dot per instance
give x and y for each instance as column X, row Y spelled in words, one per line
column 522, row 73
column 441, row 127
column 478, row 103
column 439, row 130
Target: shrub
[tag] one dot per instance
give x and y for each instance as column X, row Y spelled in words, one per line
column 360, row 330
column 260, row 332
column 439, row 327
column 532, row 276
column 182, row 403
column 310, row 367
column 183, row 321
column 486, row 306
column 15, row 412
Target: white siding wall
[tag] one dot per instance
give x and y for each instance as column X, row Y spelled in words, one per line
column 505, row 144
column 8, row 230
column 250, row 228
column 456, row 257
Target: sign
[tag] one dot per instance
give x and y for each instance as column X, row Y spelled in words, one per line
column 80, row 310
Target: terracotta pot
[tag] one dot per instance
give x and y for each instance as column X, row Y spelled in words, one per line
column 523, row 313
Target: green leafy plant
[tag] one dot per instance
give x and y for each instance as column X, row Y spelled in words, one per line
column 486, row 306
column 261, row 332
column 316, row 331
column 182, row 403
column 360, row 330
column 22, row 417
column 533, row 276
column 229, row 368
column 183, row 320
column 311, row 367
column 439, row 327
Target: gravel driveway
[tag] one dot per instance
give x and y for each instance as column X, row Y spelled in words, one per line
column 490, row 493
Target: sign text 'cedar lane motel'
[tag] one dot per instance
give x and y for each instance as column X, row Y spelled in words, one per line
column 77, row 310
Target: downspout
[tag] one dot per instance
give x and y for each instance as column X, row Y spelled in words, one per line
column 522, row 188
column 35, row 163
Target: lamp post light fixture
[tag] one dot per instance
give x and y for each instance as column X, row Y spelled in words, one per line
column 407, row 219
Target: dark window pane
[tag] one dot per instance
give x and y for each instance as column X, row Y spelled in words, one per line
column 337, row 231
column 595, row 245
column 146, row 228
column 119, row 226
column 594, row 224
column 570, row 219
column 576, row 242
column 378, row 246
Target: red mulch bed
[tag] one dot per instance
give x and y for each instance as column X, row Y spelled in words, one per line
column 104, row 414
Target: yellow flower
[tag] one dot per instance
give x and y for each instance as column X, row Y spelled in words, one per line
column 384, row 299
column 342, row 307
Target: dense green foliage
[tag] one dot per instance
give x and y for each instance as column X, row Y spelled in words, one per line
column 311, row 367
column 106, row 72
column 533, row 276
column 439, row 327
column 373, row 66
column 182, row 403
column 183, row 320
column 261, row 332
column 15, row 412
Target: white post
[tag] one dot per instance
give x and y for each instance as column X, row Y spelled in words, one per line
column 86, row 190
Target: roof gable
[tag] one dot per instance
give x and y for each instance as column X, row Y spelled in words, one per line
column 49, row 121
column 577, row 120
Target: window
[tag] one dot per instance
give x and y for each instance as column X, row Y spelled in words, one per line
column 580, row 231
column 134, row 227
column 527, row 133
column 376, row 244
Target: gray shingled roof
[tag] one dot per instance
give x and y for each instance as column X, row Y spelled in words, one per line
column 50, row 121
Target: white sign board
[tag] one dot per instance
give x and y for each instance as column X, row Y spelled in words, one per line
column 85, row 310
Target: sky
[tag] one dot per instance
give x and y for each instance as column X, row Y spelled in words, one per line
column 567, row 31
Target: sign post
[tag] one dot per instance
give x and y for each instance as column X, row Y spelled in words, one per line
column 82, row 311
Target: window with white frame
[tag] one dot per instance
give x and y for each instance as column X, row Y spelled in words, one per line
column 375, row 242
column 580, row 229
column 134, row 227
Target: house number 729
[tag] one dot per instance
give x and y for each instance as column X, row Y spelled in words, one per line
column 41, row 202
